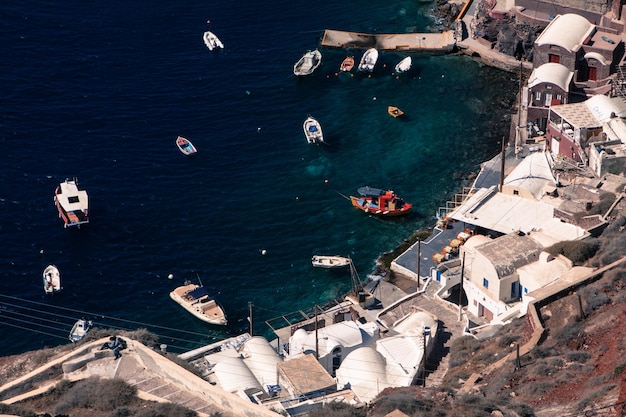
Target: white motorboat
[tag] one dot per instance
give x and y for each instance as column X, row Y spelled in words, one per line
column 308, row 63
column 51, row 279
column 72, row 203
column 313, row 131
column 404, row 65
column 79, row 330
column 212, row 41
column 368, row 61
column 330, row 261
column 196, row 300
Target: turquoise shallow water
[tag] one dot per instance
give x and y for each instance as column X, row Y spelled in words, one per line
column 106, row 94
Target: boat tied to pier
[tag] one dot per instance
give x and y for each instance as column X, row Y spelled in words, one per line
column 197, row 301
column 308, row 63
column 404, row 65
column 51, row 279
column 368, row 61
column 313, row 131
column 347, row 64
column 72, row 203
column 379, row 202
column 330, row 261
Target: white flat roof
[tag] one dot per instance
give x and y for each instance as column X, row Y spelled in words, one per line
column 506, row 214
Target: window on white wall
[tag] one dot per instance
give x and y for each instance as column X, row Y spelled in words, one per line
column 485, row 283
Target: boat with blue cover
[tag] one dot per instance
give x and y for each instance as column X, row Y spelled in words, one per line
column 185, row 146
column 313, row 131
column 196, row 300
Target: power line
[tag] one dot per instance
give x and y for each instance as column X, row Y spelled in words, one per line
column 86, row 313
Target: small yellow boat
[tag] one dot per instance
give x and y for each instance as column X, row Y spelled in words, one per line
column 394, row 111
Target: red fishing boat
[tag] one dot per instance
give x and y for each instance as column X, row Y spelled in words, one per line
column 380, row 202
column 347, row 64
column 72, row 203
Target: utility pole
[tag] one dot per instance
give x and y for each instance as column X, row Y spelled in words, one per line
column 317, row 355
column 419, row 259
column 423, row 358
column 502, row 158
column 580, row 307
column 461, row 289
column 518, row 131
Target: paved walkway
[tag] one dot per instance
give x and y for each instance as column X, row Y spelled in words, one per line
column 450, row 327
column 432, row 42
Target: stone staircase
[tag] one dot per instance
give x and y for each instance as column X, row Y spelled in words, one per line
column 158, row 388
column 619, row 87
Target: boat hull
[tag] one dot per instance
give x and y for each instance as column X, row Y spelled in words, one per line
column 330, row 262
column 308, row 63
column 347, row 64
column 79, row 330
column 385, row 204
column 404, row 65
column 72, row 204
column 203, row 308
column 394, row 111
column 368, row 61
column 185, row 146
column 51, row 279
column 313, row 131
column 212, row 41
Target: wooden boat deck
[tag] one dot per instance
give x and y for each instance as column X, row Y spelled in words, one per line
column 431, row 42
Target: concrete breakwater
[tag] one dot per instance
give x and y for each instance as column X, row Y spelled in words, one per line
column 427, row 42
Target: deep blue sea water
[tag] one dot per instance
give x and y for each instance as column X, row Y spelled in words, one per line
column 99, row 90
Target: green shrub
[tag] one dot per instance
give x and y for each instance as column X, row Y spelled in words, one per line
column 522, row 410
column 538, row 388
column 613, row 248
column 619, row 370
column 578, row 251
column 144, row 337
column 543, row 352
column 166, row 410
column 338, row 409
column 542, row 368
column 122, row 412
column 461, row 350
column 93, row 393
column 577, row 356
column 593, row 298
column 572, row 331
column 14, row 409
column 615, row 277
column 507, row 340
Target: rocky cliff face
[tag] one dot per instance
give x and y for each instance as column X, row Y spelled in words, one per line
column 507, row 35
column 501, row 29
